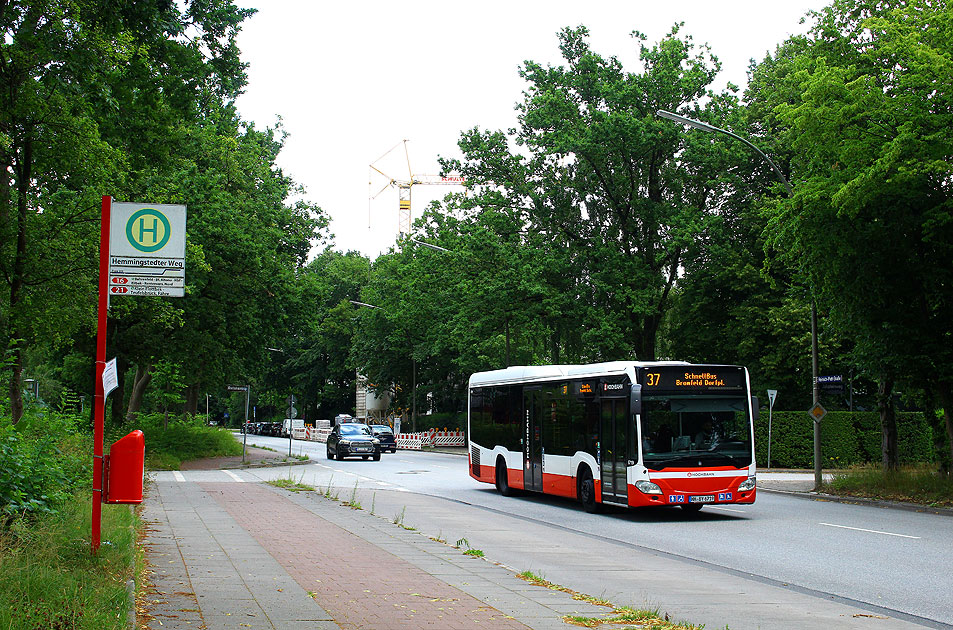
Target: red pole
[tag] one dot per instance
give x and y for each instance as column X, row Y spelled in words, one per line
column 99, row 406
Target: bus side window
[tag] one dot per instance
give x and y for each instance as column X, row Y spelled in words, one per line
column 592, row 426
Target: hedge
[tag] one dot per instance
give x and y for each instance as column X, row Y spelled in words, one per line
column 847, row 438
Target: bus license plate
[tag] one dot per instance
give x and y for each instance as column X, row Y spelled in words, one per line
column 702, row 498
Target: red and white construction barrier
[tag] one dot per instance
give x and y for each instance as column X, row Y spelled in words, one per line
column 416, row 441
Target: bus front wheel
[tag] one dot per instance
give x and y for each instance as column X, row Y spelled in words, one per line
column 502, row 483
column 587, row 492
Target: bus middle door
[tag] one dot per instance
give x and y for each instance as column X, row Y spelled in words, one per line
column 533, row 438
column 614, row 437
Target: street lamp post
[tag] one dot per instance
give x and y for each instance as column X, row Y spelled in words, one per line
column 703, row 126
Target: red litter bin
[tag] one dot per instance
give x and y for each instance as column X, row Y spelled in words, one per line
column 124, row 469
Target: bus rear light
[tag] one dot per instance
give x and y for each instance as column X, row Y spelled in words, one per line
column 748, row 484
column 647, row 487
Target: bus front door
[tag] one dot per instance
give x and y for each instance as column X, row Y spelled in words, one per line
column 532, row 438
column 614, row 437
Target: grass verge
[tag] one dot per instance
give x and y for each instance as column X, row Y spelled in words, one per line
column 922, row 485
column 168, row 446
column 50, row 579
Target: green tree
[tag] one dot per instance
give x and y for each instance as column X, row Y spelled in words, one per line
column 92, row 93
column 317, row 365
column 594, row 172
column 864, row 102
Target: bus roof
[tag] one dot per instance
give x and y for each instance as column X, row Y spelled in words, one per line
column 530, row 373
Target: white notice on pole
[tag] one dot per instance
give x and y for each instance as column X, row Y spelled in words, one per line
column 110, row 378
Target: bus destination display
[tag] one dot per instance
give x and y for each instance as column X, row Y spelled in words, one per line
column 708, row 378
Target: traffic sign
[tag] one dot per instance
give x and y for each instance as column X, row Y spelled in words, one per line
column 772, row 394
column 147, row 249
column 833, row 384
column 817, row 412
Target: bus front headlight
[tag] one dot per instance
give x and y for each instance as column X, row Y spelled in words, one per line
column 647, row 487
column 748, row 484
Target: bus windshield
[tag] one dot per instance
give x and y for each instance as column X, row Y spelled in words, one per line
column 695, row 432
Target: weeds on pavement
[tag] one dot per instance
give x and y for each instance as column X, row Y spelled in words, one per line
column 353, row 502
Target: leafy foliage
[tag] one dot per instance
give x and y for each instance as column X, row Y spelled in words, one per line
column 168, row 446
column 847, row 439
column 43, row 461
column 863, row 104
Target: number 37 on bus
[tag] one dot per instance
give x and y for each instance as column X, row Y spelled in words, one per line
column 623, row 433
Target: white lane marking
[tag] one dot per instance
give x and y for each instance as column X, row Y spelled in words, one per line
column 178, row 476
column 724, row 509
column 234, row 476
column 870, row 531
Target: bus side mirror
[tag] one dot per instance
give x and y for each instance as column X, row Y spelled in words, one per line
column 755, row 409
column 635, row 399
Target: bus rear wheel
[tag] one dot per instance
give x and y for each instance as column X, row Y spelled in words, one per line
column 502, row 483
column 587, row 492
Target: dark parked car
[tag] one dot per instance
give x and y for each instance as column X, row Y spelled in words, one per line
column 352, row 439
column 386, row 435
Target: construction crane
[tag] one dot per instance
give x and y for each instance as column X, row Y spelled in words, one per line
column 404, row 187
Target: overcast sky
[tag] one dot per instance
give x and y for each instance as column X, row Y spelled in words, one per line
column 350, row 80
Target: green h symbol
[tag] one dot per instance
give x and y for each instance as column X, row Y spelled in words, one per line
column 138, row 225
column 154, row 230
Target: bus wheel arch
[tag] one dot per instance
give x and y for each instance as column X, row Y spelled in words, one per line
column 502, row 480
column 586, row 489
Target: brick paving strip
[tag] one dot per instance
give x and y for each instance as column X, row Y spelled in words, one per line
column 361, row 584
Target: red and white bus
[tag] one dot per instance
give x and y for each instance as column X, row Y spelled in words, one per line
column 623, row 433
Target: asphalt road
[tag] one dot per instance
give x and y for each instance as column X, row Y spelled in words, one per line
column 884, row 560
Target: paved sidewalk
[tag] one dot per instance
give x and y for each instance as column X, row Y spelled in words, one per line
column 257, row 557
column 228, row 553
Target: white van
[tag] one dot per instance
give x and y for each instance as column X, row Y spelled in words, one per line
column 290, row 424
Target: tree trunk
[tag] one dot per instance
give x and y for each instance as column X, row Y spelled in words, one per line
column 888, row 424
column 23, row 169
column 506, row 326
column 143, row 377
column 192, row 400
column 16, row 379
column 165, row 407
column 946, row 400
